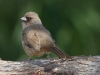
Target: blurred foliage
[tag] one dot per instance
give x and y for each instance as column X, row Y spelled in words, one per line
column 74, row 24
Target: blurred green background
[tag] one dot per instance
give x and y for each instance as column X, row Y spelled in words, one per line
column 74, row 24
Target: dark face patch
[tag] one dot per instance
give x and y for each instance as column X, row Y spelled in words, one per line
column 28, row 19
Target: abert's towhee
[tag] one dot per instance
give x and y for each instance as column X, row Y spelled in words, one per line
column 36, row 39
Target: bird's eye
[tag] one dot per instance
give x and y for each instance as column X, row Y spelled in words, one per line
column 28, row 18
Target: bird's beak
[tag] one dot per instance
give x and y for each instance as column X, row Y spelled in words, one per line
column 23, row 19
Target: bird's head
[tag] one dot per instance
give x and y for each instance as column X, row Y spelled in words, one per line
column 30, row 18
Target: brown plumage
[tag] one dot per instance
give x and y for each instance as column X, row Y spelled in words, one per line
column 36, row 39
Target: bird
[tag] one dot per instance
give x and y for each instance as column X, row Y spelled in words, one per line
column 37, row 40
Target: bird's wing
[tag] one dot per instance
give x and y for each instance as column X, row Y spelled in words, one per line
column 39, row 39
column 33, row 39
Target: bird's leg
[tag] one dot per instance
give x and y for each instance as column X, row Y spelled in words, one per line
column 30, row 57
column 48, row 56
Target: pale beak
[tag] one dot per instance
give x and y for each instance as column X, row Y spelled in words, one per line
column 24, row 19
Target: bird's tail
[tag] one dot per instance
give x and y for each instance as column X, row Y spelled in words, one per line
column 60, row 53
